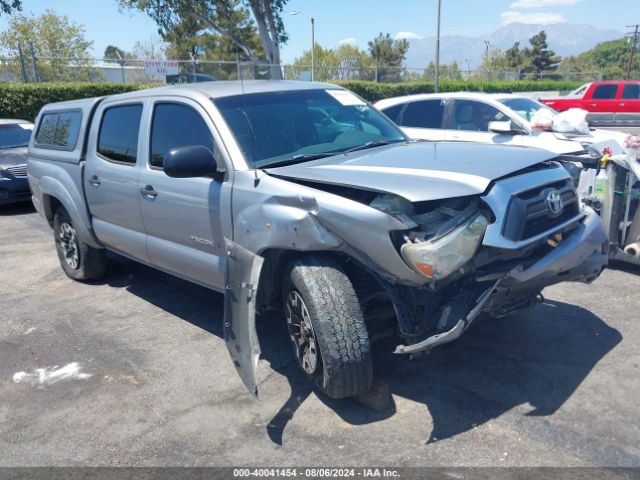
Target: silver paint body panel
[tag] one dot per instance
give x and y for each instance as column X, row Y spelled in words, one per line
column 215, row 231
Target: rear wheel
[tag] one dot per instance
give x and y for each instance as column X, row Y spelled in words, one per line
column 78, row 260
column 327, row 328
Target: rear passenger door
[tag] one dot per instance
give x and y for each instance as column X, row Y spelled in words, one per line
column 423, row 119
column 111, row 178
column 182, row 215
column 628, row 114
column 602, row 105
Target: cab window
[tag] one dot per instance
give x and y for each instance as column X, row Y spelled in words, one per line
column 475, row 116
column 173, row 126
column 605, row 92
column 423, row 114
column 118, row 136
column 631, row 92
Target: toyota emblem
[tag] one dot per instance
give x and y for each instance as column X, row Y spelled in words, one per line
column 555, row 203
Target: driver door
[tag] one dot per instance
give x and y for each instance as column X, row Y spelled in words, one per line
column 182, row 215
column 470, row 123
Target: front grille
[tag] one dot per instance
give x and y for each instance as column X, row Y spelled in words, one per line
column 529, row 213
column 18, row 171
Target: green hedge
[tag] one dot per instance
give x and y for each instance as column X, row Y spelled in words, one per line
column 373, row 91
column 24, row 100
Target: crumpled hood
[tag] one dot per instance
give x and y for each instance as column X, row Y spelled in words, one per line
column 603, row 138
column 10, row 157
column 419, row 171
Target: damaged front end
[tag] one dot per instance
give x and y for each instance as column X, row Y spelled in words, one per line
column 495, row 267
column 431, row 267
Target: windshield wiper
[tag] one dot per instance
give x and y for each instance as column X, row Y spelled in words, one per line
column 299, row 159
column 377, row 143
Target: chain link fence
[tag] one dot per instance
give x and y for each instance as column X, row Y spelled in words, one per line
column 29, row 68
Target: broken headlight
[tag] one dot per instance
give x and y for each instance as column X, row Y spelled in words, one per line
column 438, row 258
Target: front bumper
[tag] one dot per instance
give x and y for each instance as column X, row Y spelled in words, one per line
column 581, row 257
column 14, row 189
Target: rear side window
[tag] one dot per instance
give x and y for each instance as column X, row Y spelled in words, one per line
column 176, row 125
column 605, row 92
column 423, row 114
column 118, row 136
column 59, row 130
column 394, row 112
column 631, row 92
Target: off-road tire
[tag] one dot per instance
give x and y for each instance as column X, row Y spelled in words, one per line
column 91, row 262
column 345, row 367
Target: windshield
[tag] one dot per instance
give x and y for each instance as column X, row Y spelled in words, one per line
column 13, row 135
column 579, row 92
column 277, row 127
column 525, row 107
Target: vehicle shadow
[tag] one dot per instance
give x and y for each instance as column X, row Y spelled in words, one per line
column 539, row 358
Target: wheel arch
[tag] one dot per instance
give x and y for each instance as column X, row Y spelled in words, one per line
column 55, row 195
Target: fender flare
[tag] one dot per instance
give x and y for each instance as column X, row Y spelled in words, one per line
column 52, row 187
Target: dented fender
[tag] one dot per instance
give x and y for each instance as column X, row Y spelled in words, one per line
column 241, row 286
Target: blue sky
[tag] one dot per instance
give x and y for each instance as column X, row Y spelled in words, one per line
column 357, row 21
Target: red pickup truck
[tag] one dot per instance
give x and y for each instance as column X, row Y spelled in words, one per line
column 610, row 104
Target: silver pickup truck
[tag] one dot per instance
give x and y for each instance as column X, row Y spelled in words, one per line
column 304, row 198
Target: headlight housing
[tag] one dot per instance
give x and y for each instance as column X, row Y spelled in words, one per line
column 437, row 259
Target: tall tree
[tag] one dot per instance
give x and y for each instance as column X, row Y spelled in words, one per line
column 514, row 57
column 494, row 64
column 221, row 17
column 449, row 71
column 10, row 6
column 343, row 63
column 540, row 57
column 59, row 45
column 389, row 54
column 114, row 54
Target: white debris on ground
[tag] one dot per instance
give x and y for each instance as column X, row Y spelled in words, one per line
column 51, row 375
column 30, row 330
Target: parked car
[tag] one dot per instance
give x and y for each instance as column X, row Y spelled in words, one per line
column 189, row 78
column 610, row 103
column 301, row 196
column 490, row 118
column 14, row 139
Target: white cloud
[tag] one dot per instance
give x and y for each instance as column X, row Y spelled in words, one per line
column 541, row 3
column 348, row 41
column 542, row 18
column 407, row 36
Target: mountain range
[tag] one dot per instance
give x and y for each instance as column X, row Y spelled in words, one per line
column 564, row 38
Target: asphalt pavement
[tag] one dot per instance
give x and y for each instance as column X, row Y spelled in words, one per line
column 138, row 374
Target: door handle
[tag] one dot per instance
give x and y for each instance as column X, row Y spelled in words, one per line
column 594, row 104
column 94, row 180
column 148, row 192
column 622, row 104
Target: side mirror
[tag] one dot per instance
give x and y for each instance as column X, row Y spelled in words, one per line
column 505, row 128
column 189, row 161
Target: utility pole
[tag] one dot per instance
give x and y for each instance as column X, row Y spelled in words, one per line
column 24, row 68
column 437, row 79
column 33, row 63
column 121, row 62
column 634, row 45
column 313, row 41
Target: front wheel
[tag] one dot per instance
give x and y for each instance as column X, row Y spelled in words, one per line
column 78, row 260
column 327, row 328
